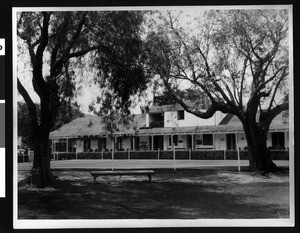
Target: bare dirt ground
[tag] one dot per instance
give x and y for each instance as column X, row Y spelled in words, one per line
column 180, row 194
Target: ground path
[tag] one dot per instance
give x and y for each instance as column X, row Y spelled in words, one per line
column 91, row 164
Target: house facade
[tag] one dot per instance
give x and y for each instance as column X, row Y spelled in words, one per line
column 164, row 127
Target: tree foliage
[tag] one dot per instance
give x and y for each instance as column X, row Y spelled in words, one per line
column 237, row 58
column 59, row 44
column 67, row 112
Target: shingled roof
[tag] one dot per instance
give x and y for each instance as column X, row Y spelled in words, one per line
column 91, row 125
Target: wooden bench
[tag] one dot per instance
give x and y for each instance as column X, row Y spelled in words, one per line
column 149, row 173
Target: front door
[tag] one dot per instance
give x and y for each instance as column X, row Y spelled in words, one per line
column 230, row 141
column 189, row 141
column 158, row 142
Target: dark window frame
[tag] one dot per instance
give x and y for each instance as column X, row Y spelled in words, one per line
column 278, row 140
column 207, row 139
column 180, row 115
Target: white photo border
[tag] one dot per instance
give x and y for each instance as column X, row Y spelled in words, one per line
column 150, row 223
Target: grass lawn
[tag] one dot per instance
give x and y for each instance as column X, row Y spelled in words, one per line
column 184, row 194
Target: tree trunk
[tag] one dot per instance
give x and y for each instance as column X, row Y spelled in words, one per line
column 41, row 175
column 259, row 154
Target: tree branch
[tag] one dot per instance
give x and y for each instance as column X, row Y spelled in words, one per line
column 38, row 81
column 44, row 36
column 29, row 102
column 242, row 82
column 276, row 111
column 76, row 35
column 275, row 91
column 58, row 43
column 263, row 84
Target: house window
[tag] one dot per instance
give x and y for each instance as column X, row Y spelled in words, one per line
column 102, row 143
column 72, row 145
column 278, row 140
column 198, row 142
column 175, row 140
column 135, row 143
column 230, row 141
column 119, row 143
column 207, row 139
column 86, row 145
column 180, row 115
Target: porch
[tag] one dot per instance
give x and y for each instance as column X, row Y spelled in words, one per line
column 164, row 143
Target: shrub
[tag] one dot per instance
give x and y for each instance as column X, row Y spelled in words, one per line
column 143, row 155
column 63, row 156
column 182, row 154
column 280, row 154
column 165, row 154
column 121, row 155
column 208, row 154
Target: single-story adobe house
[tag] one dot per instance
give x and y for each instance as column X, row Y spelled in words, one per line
column 164, row 127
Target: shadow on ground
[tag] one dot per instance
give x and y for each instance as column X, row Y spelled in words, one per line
column 184, row 194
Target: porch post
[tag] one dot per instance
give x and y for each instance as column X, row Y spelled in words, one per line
column 67, row 146
column 285, row 140
column 174, row 153
column 52, row 149
column 238, row 151
column 112, row 152
column 152, row 142
column 133, row 143
column 193, row 139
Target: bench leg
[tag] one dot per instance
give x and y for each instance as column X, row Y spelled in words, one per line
column 149, row 176
column 94, row 179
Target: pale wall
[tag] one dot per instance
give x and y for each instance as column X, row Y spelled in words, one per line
column 241, row 141
column 94, row 145
column 126, row 144
column 220, row 141
column 79, row 146
column 109, row 143
column 170, row 120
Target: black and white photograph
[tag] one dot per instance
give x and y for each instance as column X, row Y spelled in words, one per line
column 176, row 116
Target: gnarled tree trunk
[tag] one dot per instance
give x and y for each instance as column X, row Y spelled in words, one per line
column 41, row 175
column 259, row 154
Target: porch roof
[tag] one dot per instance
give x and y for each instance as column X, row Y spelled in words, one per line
column 216, row 129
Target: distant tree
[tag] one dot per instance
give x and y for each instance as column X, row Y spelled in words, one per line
column 63, row 42
column 237, row 58
column 24, row 127
column 66, row 113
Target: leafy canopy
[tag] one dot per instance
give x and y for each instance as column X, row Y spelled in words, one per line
column 237, row 58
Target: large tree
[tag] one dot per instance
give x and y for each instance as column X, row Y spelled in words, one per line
column 59, row 44
column 238, row 58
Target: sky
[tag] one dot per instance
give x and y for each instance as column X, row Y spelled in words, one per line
column 89, row 91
